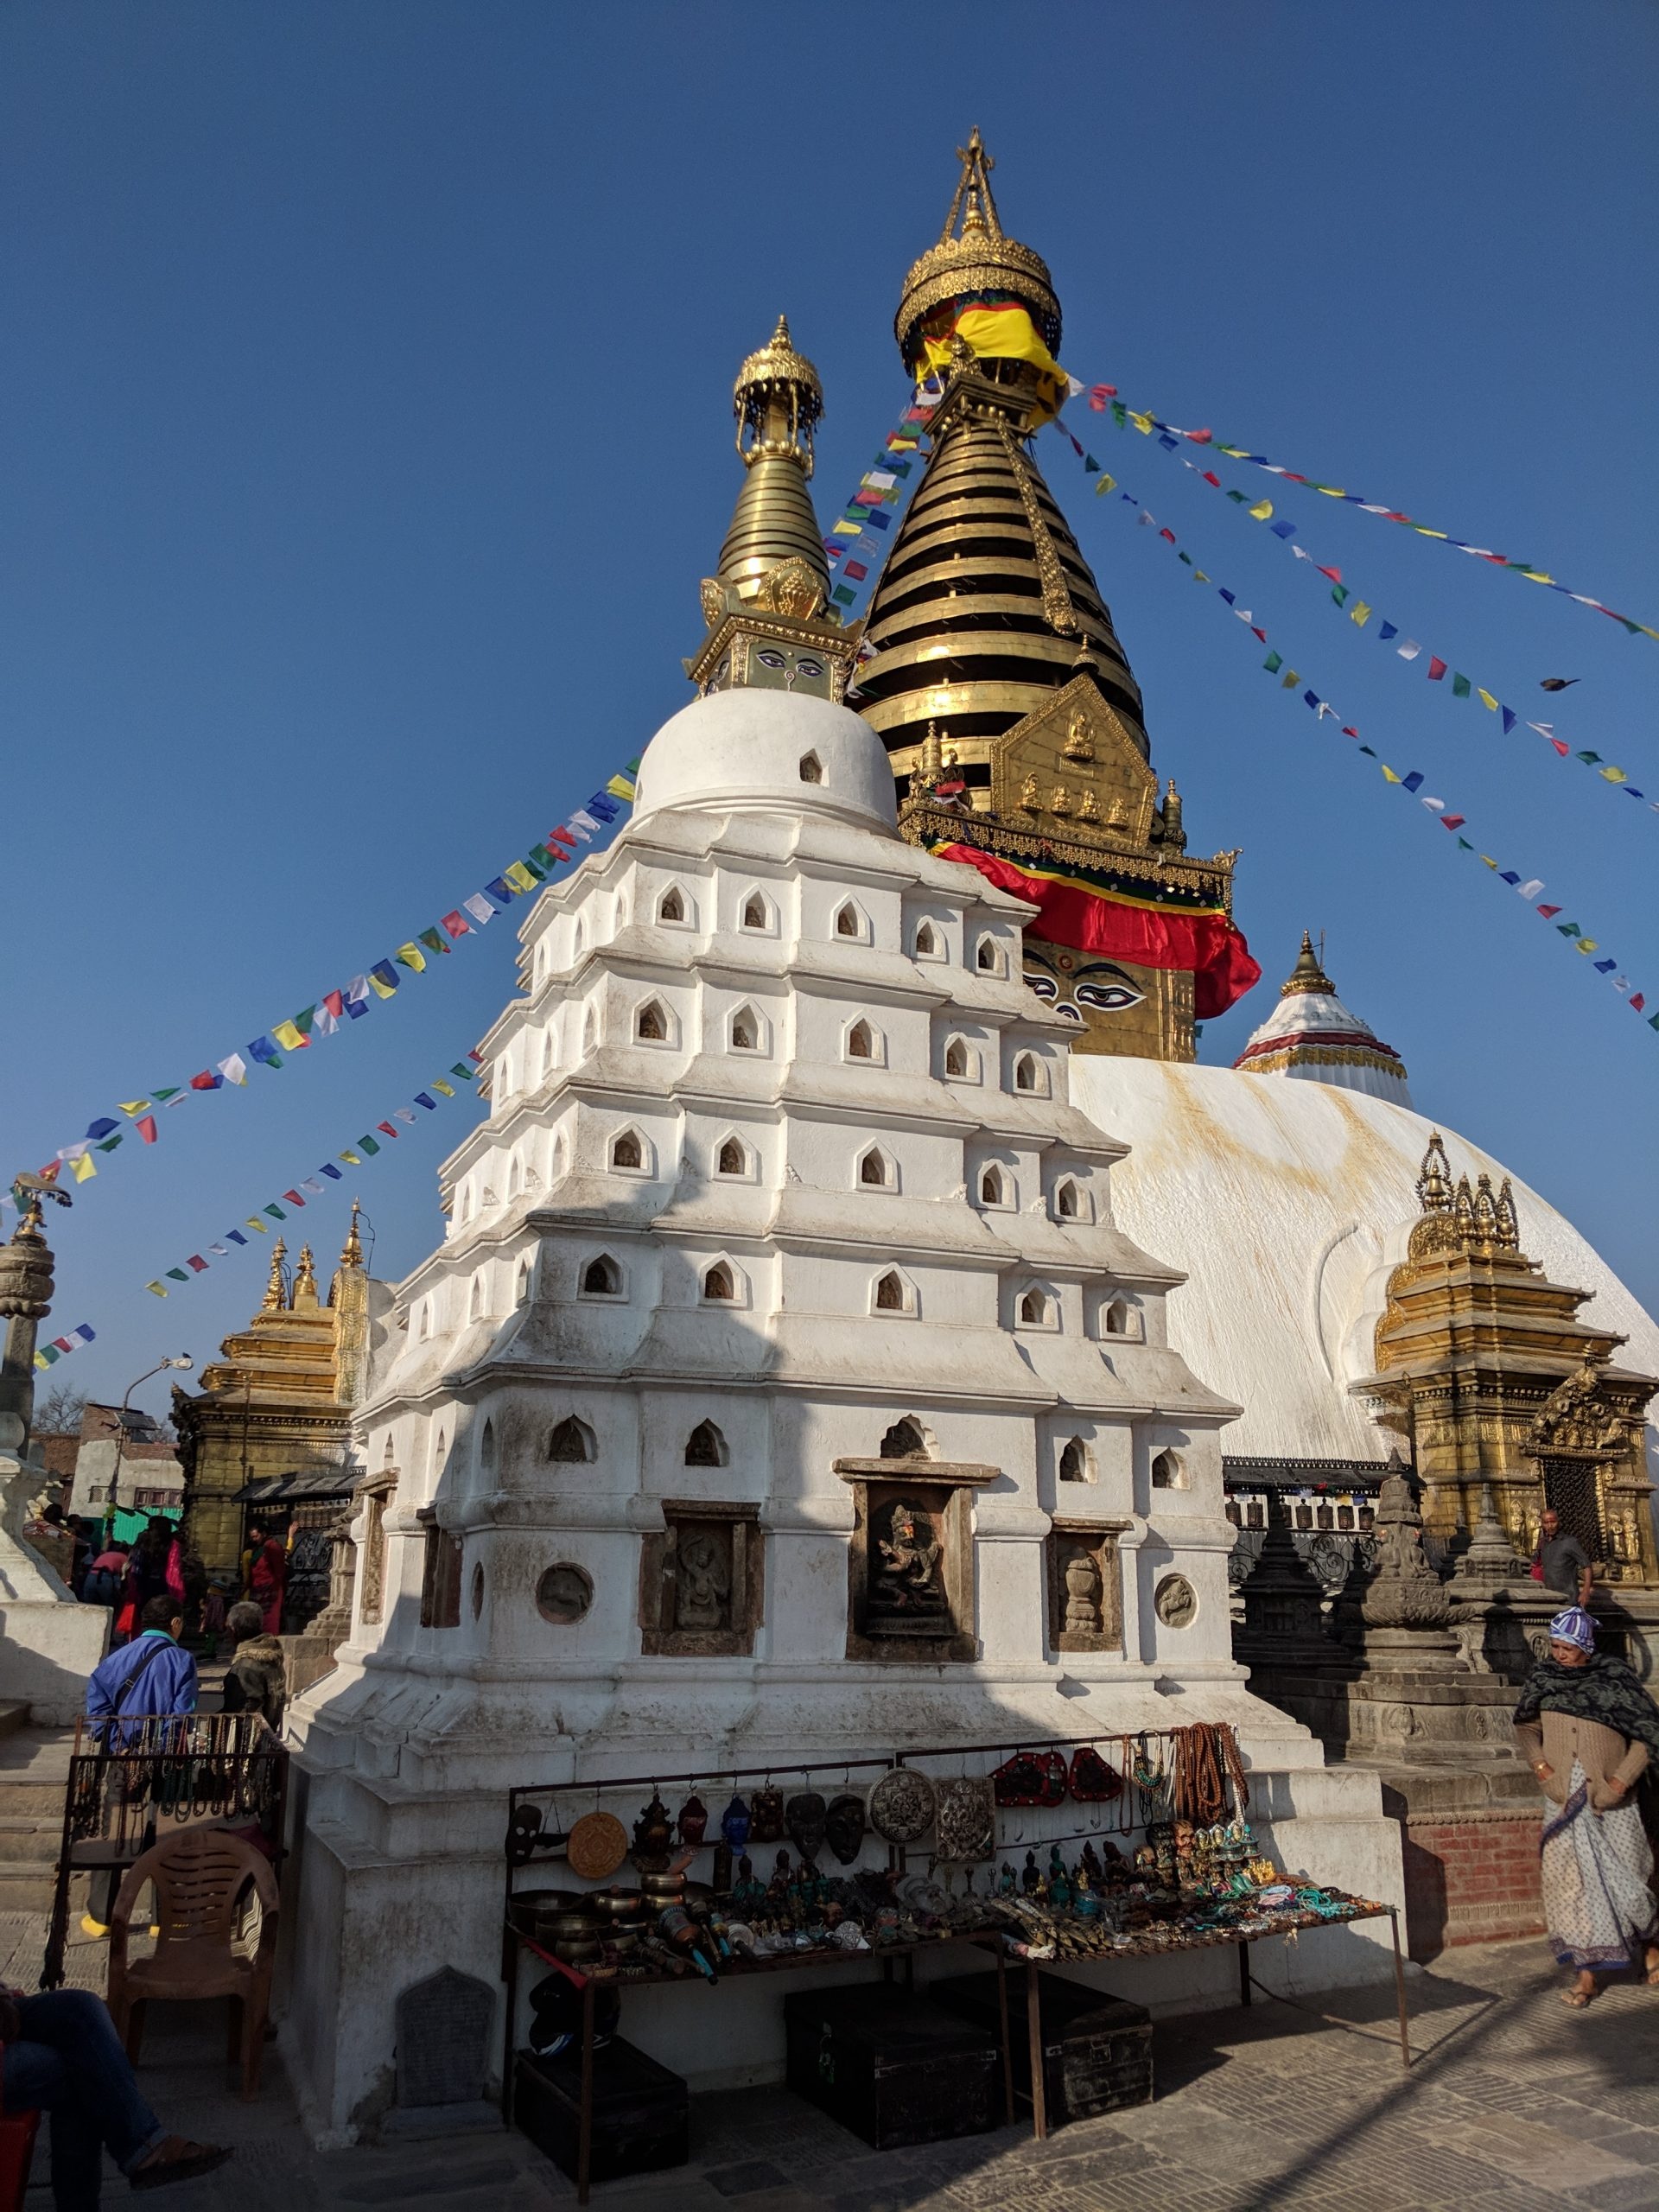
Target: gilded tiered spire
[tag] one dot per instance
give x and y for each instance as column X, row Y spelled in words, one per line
column 352, row 1251
column 1307, row 975
column 276, row 1289
column 973, row 256
column 771, row 626
column 305, row 1279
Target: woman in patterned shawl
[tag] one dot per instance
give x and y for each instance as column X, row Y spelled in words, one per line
column 1588, row 1729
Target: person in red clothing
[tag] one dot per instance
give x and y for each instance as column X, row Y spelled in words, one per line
column 268, row 1576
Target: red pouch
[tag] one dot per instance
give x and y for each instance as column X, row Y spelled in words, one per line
column 1019, row 1781
column 1091, row 1781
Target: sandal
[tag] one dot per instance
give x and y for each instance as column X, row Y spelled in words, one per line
column 179, row 2160
column 1577, row 1999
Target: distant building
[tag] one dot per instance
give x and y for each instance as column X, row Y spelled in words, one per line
column 124, row 1460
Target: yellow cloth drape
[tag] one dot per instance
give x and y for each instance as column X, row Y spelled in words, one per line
column 1004, row 334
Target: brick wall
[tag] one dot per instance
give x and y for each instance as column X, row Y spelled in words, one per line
column 1471, row 1877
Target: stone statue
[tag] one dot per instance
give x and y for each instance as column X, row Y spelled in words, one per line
column 1404, row 1592
column 1082, row 1595
column 703, row 1581
column 908, row 1580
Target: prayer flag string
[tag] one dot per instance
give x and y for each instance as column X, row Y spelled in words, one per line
column 336, row 1009
column 1413, row 781
column 1103, row 397
column 857, row 542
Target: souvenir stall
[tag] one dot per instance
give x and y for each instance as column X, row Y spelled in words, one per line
column 1079, row 1851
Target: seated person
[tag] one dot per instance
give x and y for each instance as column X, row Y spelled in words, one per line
column 254, row 1683
column 63, row 2056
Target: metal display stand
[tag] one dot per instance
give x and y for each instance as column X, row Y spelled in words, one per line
column 527, row 1837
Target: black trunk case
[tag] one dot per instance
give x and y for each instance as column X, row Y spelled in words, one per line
column 641, row 2111
column 892, row 2067
column 1097, row 2049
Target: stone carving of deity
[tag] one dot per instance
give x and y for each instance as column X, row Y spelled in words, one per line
column 1082, row 1595
column 1028, row 797
column 703, row 1580
column 908, row 1577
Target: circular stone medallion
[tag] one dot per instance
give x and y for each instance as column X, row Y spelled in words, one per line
column 598, row 1844
column 1175, row 1601
column 564, row 1594
column 903, row 1805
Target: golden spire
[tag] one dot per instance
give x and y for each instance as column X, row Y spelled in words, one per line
column 1307, row 975
column 276, row 1289
column 979, row 258
column 352, row 1251
column 1434, row 1179
column 778, row 401
column 305, row 1279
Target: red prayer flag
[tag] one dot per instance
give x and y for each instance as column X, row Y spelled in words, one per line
column 1169, row 534
column 561, row 837
column 1348, row 731
column 1451, row 821
column 1559, row 747
column 1200, row 437
column 294, row 1197
column 1335, row 574
column 1210, row 477
column 147, row 1129
column 197, row 1263
column 1437, row 668
column 387, row 1127
column 1549, row 914
column 335, row 1003
column 476, row 1057
column 1099, row 394
column 855, row 572
column 1254, row 632
column 457, row 925
column 1637, row 998
column 207, row 1080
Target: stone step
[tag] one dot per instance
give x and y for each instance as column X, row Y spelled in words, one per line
column 32, row 1799
column 26, row 1887
column 13, row 1715
column 25, row 1840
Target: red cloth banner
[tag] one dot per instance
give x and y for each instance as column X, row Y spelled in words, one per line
column 1205, row 945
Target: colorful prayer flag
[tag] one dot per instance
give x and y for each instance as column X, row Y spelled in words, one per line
column 410, row 956
column 147, row 1129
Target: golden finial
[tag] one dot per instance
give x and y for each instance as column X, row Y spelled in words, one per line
column 352, row 1251
column 978, row 257
column 1308, row 974
column 1434, row 1178
column 305, row 1279
column 778, row 401
column 932, row 756
column 1508, row 1224
column 972, row 198
column 276, row 1289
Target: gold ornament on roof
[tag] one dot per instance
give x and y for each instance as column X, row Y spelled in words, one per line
column 1087, row 810
column 1060, row 800
column 352, row 1251
column 1307, row 975
column 1078, row 745
column 976, row 259
column 305, row 1279
column 778, row 400
column 1028, row 797
column 276, row 1289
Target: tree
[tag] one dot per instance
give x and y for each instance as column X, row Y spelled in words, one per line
column 59, row 1413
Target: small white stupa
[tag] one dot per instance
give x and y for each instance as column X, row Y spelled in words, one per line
column 1312, row 1034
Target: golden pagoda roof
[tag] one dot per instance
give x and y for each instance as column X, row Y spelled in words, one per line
column 978, row 257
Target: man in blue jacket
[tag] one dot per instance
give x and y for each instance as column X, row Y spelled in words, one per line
column 151, row 1675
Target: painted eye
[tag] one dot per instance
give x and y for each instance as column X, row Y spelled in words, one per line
column 1111, row 998
column 769, row 659
column 1045, row 986
column 1069, row 1013
column 809, row 667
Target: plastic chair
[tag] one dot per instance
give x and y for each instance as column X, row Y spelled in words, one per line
column 17, row 2132
column 201, row 1876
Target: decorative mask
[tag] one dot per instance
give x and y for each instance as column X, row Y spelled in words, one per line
column 1091, row 1781
column 806, row 1818
column 766, row 1823
column 735, row 1823
column 902, row 1805
column 844, row 1826
column 694, row 1820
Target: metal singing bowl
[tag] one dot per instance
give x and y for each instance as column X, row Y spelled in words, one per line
column 620, row 1904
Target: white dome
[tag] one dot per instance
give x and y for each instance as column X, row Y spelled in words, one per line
column 1288, row 1204
column 744, row 750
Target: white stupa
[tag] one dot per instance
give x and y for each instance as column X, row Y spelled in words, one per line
column 781, row 1244
column 1311, row 1034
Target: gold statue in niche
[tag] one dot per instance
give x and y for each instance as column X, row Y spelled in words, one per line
column 1028, row 798
column 1060, row 802
column 1078, row 745
column 1087, row 810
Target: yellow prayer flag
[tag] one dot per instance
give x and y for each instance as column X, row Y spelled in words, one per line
column 1388, row 772
column 1359, row 612
column 1486, row 861
column 410, row 956
column 1536, row 576
column 621, row 787
column 1607, row 775
column 1106, row 484
column 1331, row 491
column 83, row 1167
column 382, row 988
column 156, row 1287
column 352, row 1158
column 1485, row 699
column 1142, row 422
column 1199, row 577
column 1005, row 333
column 288, row 1036
column 448, row 1088
column 1587, row 944
column 1421, row 532
column 135, row 1105
column 254, row 1222
column 519, row 876
column 1262, row 509
column 1291, row 680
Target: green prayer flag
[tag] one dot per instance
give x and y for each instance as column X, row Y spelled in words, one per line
column 371, row 1145
column 1120, row 414
column 162, row 1097
column 276, row 1213
column 1594, row 758
column 1239, row 497
column 1459, row 686
column 1274, row 663
column 304, row 1022
column 1465, row 842
column 433, row 940
column 1568, row 928
column 177, row 1274
column 465, row 1073
column 1339, row 592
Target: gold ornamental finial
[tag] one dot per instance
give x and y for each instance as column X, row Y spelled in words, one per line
column 276, row 1289
column 974, row 256
column 779, row 401
column 352, row 1251
column 1307, row 975
column 972, row 200
column 305, row 1279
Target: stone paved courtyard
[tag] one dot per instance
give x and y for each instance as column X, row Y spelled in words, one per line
column 1514, row 2105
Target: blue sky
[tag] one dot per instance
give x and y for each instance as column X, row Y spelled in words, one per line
column 368, row 434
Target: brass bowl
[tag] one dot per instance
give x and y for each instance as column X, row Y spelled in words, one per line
column 575, row 1928
column 668, row 1888
column 634, row 1929
column 578, row 1954
column 620, row 1904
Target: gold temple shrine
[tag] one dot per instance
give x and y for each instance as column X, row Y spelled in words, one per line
column 278, row 1405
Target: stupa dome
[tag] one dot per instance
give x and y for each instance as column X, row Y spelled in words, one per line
column 1311, row 1033
column 768, row 751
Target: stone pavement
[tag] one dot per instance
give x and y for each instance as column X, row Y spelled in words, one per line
column 1514, row 2105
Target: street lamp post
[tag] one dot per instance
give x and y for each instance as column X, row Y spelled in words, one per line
column 182, row 1360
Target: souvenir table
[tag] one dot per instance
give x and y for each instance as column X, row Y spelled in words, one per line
column 1185, row 1888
